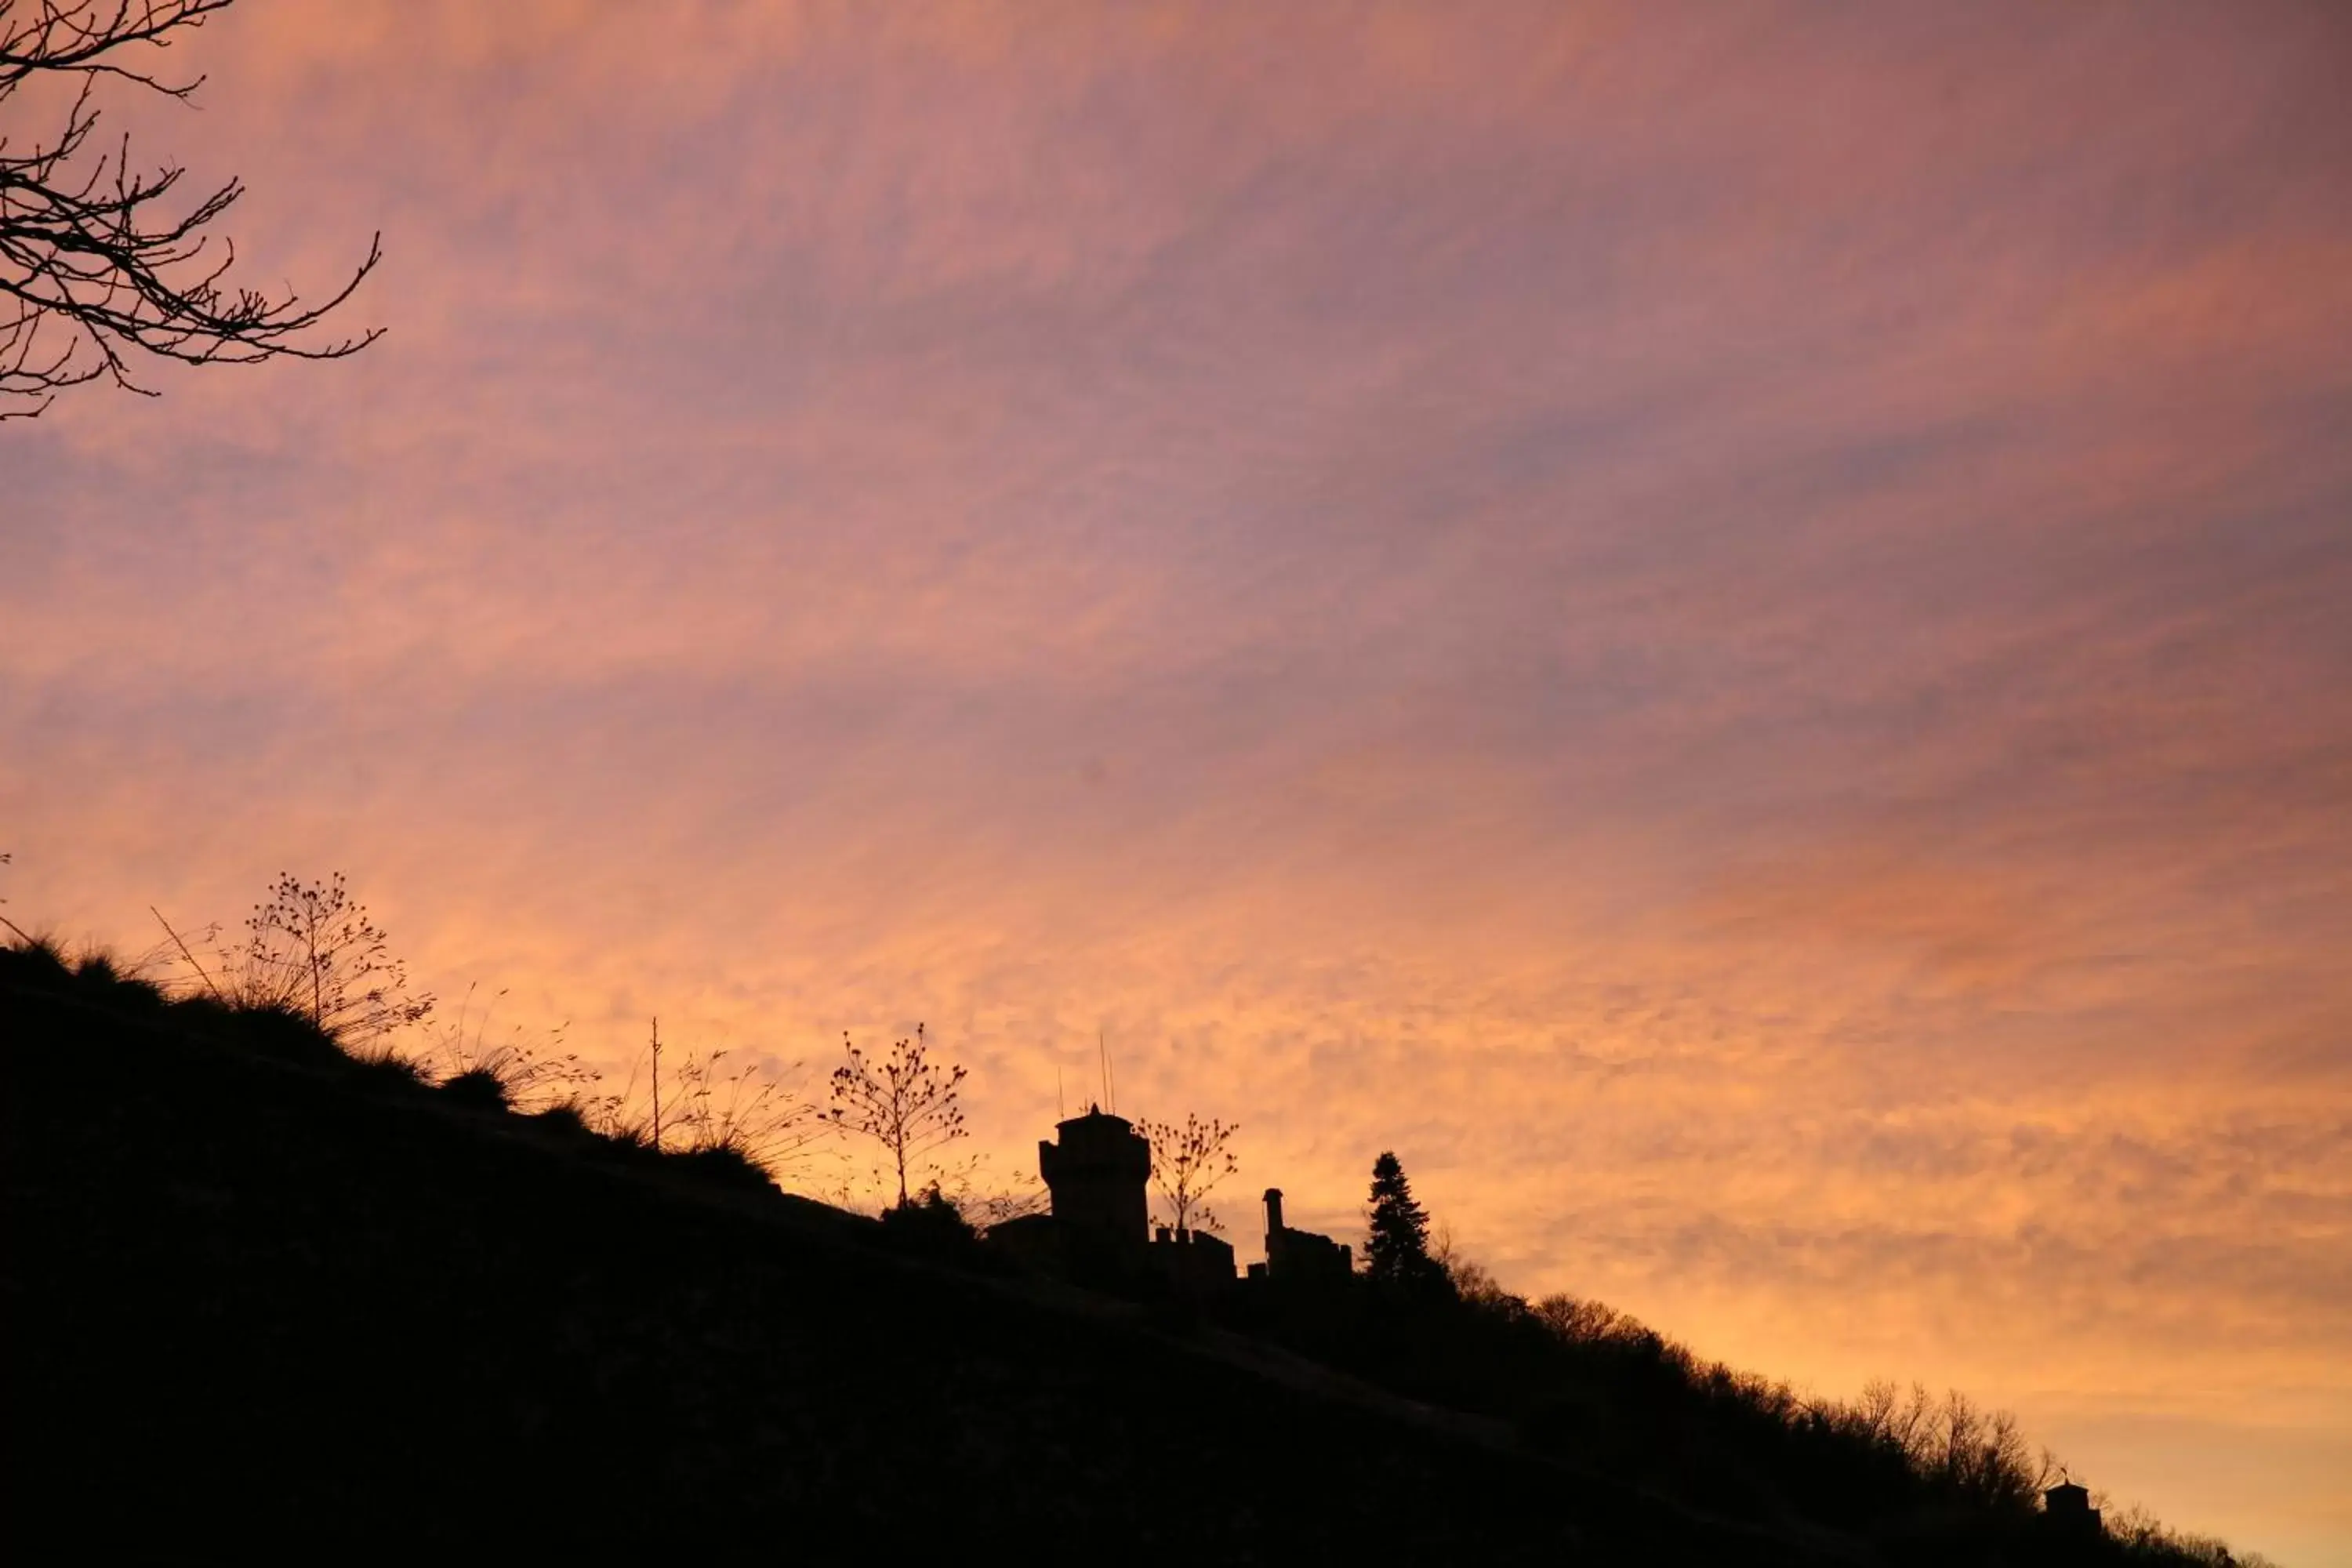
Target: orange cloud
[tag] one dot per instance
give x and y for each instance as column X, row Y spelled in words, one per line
column 1731, row 638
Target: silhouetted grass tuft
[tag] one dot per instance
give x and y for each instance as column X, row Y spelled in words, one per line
column 96, row 968
column 564, row 1119
column 99, row 976
column 929, row 1225
column 279, row 1031
column 390, row 1070
column 37, row 954
column 479, row 1087
column 631, row 1143
column 42, row 962
column 721, row 1164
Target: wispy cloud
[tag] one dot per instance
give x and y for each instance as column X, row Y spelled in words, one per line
column 1727, row 630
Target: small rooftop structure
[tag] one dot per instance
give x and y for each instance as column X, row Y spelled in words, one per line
column 2068, row 1507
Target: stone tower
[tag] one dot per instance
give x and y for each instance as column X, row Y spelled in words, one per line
column 1096, row 1173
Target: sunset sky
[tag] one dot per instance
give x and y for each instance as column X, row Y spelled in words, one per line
column 1731, row 626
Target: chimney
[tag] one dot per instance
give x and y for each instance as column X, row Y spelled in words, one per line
column 1273, row 1210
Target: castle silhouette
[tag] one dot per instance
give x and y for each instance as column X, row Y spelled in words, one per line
column 1098, row 1168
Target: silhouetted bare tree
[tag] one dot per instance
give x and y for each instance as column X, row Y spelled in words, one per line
column 1186, row 1162
column 1586, row 1321
column 313, row 951
column 904, row 1102
column 1472, row 1281
column 97, row 260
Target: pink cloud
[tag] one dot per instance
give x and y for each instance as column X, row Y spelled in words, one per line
column 1728, row 634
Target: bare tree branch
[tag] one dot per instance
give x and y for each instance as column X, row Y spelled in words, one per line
column 94, row 268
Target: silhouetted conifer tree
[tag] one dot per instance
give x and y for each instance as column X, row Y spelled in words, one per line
column 1398, row 1251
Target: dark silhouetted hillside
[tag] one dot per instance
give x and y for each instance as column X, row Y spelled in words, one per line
column 261, row 1298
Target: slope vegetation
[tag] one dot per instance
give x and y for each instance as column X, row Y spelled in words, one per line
column 262, row 1297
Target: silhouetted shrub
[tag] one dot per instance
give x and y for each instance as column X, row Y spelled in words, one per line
column 95, row 975
column 928, row 1223
column 277, row 1031
column 627, row 1144
column 34, row 958
column 564, row 1119
column 745, row 1110
column 722, row 1165
column 1582, row 1382
column 390, row 1071
column 102, row 977
column 479, row 1087
column 531, row 1067
column 311, row 950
